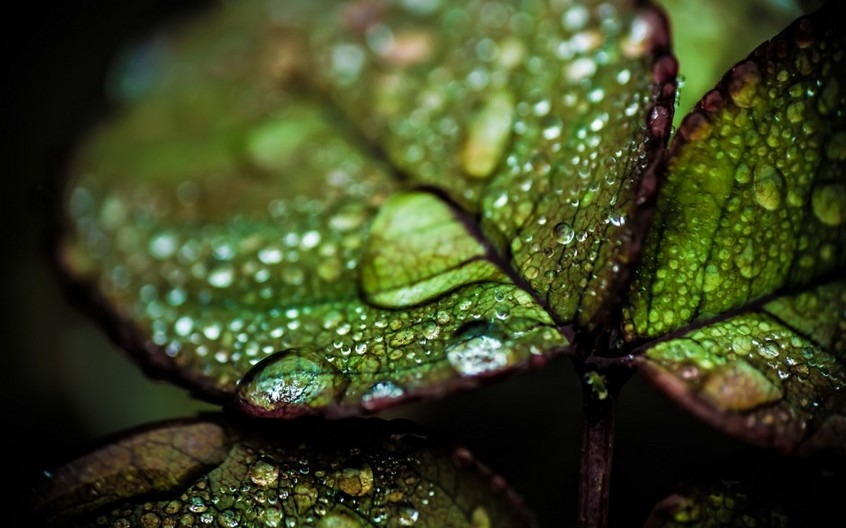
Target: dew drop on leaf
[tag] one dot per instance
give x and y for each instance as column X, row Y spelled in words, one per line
column 338, row 520
column 407, row 516
column 473, row 350
column 564, row 233
column 768, row 185
column 829, row 203
column 264, row 472
column 289, row 383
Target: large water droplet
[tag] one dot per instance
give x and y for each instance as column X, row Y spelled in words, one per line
column 355, row 482
column 264, row 472
column 475, row 350
column 748, row 262
column 564, row 233
column 487, row 135
column 829, row 203
column 379, row 393
column 290, row 383
column 769, row 186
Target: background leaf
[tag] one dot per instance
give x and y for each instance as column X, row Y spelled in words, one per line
column 752, row 489
column 330, row 474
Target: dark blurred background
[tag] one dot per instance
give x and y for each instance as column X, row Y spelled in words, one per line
column 65, row 385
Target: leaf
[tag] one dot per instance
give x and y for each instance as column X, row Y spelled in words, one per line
column 220, row 471
column 748, row 246
column 751, row 490
column 533, row 117
column 239, row 232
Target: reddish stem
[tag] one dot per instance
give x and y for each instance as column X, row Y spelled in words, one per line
column 596, row 454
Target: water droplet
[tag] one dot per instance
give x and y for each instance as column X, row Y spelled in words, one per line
column 293, row 275
column 212, row 331
column 221, row 276
column 575, row 18
column 480, row 518
column 228, row 519
column 769, row 186
column 580, row 69
column 487, row 135
column 540, row 163
column 355, row 482
column 380, row 392
column 564, row 233
column 551, row 126
column 473, row 350
column 264, row 472
column 270, row 255
column 443, row 317
column 747, row 262
column 290, row 383
column 796, row 112
column 163, row 246
column 743, row 174
column 329, row 269
column 829, row 203
column 744, row 82
column 347, row 61
column 197, row 504
column 183, row 326
column 310, row 239
column 407, row 516
column 339, row 520
column 348, row 218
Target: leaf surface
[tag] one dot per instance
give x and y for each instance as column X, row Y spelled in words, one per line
column 748, row 244
column 237, row 226
column 213, row 471
column 539, row 116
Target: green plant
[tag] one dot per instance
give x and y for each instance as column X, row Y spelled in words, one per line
column 343, row 212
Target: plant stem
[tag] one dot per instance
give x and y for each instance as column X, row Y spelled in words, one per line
column 596, row 451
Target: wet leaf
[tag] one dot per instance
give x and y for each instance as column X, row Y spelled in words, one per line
column 748, row 245
column 242, row 234
column 540, row 117
column 223, row 472
column 751, row 490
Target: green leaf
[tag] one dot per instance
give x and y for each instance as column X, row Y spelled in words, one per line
column 748, row 246
column 774, row 375
column 223, row 472
column 755, row 194
column 531, row 115
column 236, row 249
column 234, row 222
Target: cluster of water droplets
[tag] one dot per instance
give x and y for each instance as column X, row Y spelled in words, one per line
column 296, row 488
column 760, row 167
column 750, row 361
